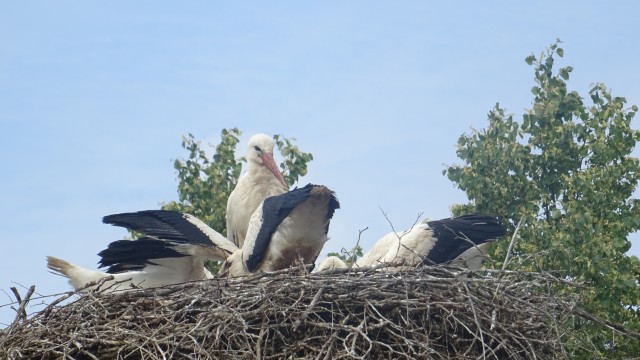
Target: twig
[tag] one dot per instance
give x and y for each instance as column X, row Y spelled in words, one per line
column 309, row 308
column 21, row 313
column 513, row 240
column 426, row 312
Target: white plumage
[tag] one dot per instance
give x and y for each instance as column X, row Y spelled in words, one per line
column 473, row 257
column 285, row 229
column 407, row 247
column 460, row 241
column 330, row 263
column 173, row 250
column 162, row 272
column 262, row 179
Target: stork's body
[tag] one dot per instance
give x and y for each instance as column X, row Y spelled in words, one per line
column 330, row 263
column 160, row 272
column 262, row 180
column 173, row 250
column 285, row 229
column 460, row 241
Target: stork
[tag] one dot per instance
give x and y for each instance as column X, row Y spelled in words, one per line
column 331, row 263
column 262, row 179
column 284, row 229
column 173, row 250
column 460, row 241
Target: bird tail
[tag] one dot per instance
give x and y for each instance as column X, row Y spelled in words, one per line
column 78, row 276
column 59, row 266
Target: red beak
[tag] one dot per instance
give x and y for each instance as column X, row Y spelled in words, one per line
column 270, row 163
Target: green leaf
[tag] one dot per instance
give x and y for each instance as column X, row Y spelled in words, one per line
column 564, row 73
column 570, row 171
column 530, row 59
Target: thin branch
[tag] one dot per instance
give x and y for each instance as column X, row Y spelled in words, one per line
column 513, row 241
column 425, row 312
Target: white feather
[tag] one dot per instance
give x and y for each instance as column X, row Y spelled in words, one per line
column 166, row 271
column 258, row 183
column 407, row 247
column 330, row 263
column 299, row 235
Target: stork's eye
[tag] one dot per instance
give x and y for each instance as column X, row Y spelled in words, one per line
column 257, row 148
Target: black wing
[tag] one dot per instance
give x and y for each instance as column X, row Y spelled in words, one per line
column 333, row 205
column 164, row 224
column 276, row 208
column 456, row 235
column 130, row 255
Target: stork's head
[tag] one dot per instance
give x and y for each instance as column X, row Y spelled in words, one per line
column 260, row 153
column 233, row 266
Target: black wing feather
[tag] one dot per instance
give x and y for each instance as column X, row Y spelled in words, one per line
column 162, row 224
column 456, row 235
column 333, row 205
column 130, row 255
column 274, row 210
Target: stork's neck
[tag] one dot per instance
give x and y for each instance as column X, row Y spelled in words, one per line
column 259, row 174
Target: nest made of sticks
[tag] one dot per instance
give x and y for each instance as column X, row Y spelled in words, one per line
column 432, row 312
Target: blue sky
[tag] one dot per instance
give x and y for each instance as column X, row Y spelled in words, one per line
column 95, row 96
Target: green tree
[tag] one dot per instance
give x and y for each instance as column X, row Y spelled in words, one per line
column 566, row 173
column 205, row 182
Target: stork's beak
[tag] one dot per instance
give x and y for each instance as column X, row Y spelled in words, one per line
column 270, row 163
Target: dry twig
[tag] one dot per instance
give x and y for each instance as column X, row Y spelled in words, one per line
column 431, row 312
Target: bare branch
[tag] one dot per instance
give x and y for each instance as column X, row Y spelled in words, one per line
column 427, row 312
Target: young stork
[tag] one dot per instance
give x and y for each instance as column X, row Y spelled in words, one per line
column 460, row 241
column 262, row 179
column 173, row 250
column 175, row 247
column 284, row 229
column 331, row 263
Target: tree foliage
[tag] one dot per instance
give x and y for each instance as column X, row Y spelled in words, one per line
column 205, row 182
column 566, row 173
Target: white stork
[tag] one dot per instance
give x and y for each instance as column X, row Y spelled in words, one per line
column 175, row 247
column 330, row 263
column 262, row 179
column 284, row 229
column 173, row 250
column 460, row 241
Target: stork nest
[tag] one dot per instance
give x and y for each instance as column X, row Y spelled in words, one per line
column 432, row 312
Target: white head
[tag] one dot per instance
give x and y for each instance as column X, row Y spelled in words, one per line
column 260, row 153
column 233, row 266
